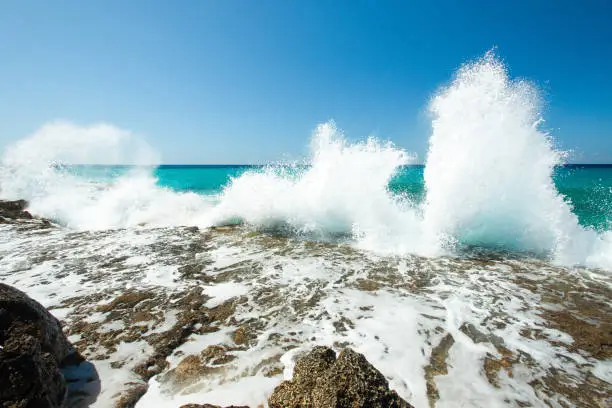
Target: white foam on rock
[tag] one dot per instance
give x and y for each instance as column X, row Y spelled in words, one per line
column 603, row 370
column 56, row 265
column 395, row 329
column 198, row 342
column 316, row 301
column 240, row 392
column 223, row 292
column 113, row 380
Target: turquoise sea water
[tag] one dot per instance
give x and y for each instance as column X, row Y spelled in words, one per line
column 587, row 187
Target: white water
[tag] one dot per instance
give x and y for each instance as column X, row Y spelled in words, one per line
column 489, row 171
column 488, row 180
column 344, row 191
column 396, row 326
column 489, row 167
column 29, row 171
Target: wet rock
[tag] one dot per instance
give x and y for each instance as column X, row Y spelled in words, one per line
column 32, row 349
column 322, row 381
column 14, row 210
column 246, row 335
column 368, row 285
column 437, row 366
column 193, row 367
column 187, row 371
column 192, row 314
column 129, row 398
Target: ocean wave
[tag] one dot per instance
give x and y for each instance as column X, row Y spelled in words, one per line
column 488, row 182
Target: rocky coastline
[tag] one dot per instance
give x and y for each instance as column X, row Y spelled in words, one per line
column 37, row 362
column 122, row 333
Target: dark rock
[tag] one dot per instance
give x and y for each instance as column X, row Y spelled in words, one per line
column 32, row 349
column 14, row 210
column 13, row 206
column 322, row 381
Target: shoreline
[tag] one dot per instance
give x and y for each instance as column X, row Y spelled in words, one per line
column 140, row 304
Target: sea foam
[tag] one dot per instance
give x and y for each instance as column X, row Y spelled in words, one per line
column 34, row 169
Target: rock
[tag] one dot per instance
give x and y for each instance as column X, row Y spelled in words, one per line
column 14, row 210
column 32, row 349
column 322, row 381
column 130, row 398
column 13, row 206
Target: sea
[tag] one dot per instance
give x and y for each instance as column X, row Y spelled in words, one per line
column 456, row 278
column 587, row 188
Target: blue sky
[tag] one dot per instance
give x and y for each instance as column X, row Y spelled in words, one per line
column 248, row 81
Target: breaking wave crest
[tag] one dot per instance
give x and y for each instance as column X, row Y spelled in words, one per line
column 37, row 169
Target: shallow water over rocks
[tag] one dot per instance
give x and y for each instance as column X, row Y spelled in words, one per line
column 181, row 315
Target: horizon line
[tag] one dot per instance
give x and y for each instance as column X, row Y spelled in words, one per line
column 283, row 164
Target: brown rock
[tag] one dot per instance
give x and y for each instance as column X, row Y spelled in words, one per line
column 312, row 366
column 246, row 334
column 191, row 369
column 239, row 336
column 130, row 397
column 322, row 381
column 32, row 349
column 187, row 372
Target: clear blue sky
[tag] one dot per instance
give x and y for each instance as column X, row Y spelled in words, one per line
column 248, row 81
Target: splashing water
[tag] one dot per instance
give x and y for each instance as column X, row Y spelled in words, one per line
column 342, row 192
column 33, row 169
column 489, row 170
column 488, row 181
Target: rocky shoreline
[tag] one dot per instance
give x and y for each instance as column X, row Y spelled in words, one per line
column 181, row 317
column 36, row 360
